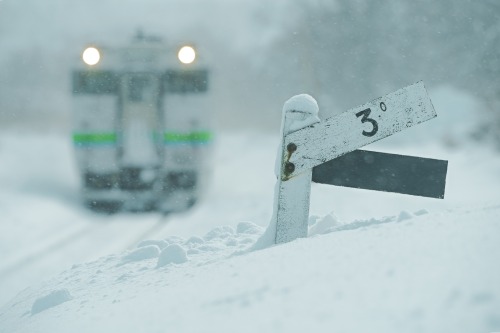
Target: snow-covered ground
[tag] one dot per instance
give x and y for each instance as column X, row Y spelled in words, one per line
column 374, row 261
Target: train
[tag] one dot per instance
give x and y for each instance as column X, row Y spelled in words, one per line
column 142, row 129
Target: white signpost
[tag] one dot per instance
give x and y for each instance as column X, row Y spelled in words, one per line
column 308, row 142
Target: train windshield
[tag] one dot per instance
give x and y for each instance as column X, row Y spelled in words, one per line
column 140, row 121
column 142, row 88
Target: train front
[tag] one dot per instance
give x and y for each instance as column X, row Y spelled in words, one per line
column 142, row 130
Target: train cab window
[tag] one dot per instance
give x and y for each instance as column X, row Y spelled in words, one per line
column 95, row 82
column 141, row 88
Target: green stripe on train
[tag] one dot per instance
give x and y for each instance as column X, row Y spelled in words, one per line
column 94, row 138
column 193, row 137
column 168, row 137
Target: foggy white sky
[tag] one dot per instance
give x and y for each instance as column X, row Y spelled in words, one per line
column 260, row 53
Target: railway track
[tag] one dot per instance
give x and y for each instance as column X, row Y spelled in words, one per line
column 44, row 251
column 150, row 232
column 87, row 234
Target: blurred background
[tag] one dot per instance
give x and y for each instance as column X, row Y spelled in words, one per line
column 260, row 53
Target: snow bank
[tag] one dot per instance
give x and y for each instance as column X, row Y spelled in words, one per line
column 172, row 254
column 412, row 272
column 49, row 301
column 142, row 253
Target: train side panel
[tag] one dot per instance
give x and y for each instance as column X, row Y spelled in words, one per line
column 187, row 139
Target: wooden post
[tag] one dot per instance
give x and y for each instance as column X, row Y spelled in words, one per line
column 291, row 202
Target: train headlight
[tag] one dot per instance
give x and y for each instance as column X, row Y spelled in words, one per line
column 186, row 54
column 91, row 56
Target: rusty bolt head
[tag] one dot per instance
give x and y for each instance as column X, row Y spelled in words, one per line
column 291, row 147
column 289, row 168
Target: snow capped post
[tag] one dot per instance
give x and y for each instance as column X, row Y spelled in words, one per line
column 325, row 152
column 291, row 201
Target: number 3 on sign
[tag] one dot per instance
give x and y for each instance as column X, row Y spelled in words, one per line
column 366, row 113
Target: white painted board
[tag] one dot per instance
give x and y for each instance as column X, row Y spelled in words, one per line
column 359, row 127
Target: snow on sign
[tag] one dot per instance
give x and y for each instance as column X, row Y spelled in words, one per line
column 311, row 148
